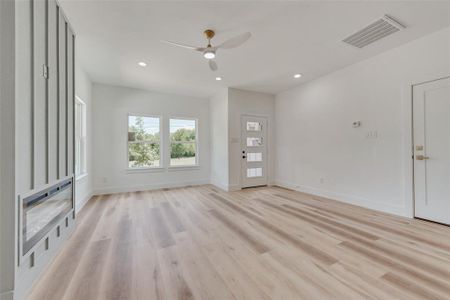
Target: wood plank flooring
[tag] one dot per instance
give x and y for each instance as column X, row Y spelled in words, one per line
column 262, row 243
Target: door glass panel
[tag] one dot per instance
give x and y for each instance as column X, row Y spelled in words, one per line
column 254, row 141
column 254, row 172
column 254, row 126
column 254, row 157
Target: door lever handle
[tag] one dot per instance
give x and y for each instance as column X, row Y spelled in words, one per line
column 421, row 157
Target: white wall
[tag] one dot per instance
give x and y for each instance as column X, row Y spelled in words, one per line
column 247, row 103
column 218, row 108
column 315, row 139
column 83, row 89
column 111, row 106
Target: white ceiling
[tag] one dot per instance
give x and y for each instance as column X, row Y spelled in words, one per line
column 288, row 38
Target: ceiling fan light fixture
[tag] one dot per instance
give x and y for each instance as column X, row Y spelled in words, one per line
column 209, row 54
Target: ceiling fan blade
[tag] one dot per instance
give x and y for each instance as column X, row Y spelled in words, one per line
column 236, row 41
column 212, row 65
column 201, row 49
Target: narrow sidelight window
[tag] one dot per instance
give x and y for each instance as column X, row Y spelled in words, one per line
column 80, row 137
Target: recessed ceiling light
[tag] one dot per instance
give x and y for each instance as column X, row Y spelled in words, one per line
column 218, row 78
column 297, row 75
column 142, row 64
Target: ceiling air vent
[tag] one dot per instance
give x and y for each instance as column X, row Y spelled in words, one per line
column 373, row 32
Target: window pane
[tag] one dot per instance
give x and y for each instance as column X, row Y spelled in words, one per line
column 78, row 119
column 254, row 157
column 80, row 132
column 254, row 141
column 254, row 126
column 182, row 130
column 143, row 129
column 77, row 156
column 182, row 154
column 254, row 172
column 142, row 155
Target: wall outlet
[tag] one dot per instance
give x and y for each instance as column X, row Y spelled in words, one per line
column 322, row 180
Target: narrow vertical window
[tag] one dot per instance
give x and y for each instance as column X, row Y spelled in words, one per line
column 144, row 142
column 80, row 137
column 183, row 142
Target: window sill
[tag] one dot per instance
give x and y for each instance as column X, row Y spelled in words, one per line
column 144, row 170
column 81, row 176
column 183, row 168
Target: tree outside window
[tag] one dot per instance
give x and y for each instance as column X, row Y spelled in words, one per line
column 144, row 142
column 183, row 142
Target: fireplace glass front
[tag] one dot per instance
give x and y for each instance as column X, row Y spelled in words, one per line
column 43, row 210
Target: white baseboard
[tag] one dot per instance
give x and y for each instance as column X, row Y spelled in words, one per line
column 225, row 187
column 234, row 187
column 220, row 185
column 399, row 210
column 146, row 187
column 80, row 205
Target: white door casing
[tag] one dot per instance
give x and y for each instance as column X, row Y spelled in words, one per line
column 253, row 151
column 431, row 130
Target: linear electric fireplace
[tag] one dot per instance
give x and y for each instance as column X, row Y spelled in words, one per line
column 43, row 210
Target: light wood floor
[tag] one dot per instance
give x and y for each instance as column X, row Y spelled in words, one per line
column 264, row 243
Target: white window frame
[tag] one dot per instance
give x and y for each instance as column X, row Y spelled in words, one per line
column 80, row 139
column 161, row 137
column 197, row 150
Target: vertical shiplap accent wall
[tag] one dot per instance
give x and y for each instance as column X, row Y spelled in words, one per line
column 45, row 103
column 52, row 121
column 44, row 120
column 70, row 98
column 24, row 95
column 39, row 95
column 62, row 142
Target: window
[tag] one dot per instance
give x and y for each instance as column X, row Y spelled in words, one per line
column 254, row 141
column 144, row 142
column 183, row 142
column 254, row 126
column 254, row 156
column 80, row 137
column 254, row 172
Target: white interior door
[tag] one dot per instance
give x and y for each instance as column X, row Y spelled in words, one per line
column 431, row 125
column 254, row 151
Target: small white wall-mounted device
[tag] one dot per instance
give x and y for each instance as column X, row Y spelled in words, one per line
column 356, row 124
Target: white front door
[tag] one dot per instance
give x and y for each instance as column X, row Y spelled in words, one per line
column 431, row 125
column 254, row 151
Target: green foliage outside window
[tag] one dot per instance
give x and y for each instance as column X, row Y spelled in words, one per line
column 144, row 150
column 187, row 147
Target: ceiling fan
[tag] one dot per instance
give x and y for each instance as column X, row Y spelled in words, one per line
column 209, row 52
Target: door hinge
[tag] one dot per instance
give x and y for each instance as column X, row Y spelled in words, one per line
column 45, row 71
